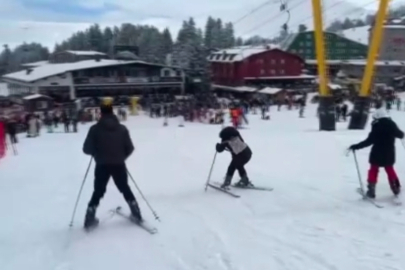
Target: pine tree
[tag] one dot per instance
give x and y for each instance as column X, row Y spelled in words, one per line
column 302, row 28
column 167, row 41
column 228, row 35
column 219, row 34
column 5, row 58
column 209, row 33
column 239, row 41
column 95, row 38
column 108, row 41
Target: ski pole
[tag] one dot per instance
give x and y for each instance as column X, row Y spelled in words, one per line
column 80, row 192
column 143, row 196
column 358, row 172
column 209, row 175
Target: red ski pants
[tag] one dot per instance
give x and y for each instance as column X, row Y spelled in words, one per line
column 235, row 122
column 373, row 174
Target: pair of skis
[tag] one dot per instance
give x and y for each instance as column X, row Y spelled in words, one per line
column 395, row 199
column 228, row 191
column 119, row 212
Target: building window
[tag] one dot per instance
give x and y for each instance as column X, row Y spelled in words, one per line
column 301, row 51
column 302, row 44
column 282, row 71
column 309, row 43
column 309, row 36
column 273, row 61
column 282, row 61
column 259, row 61
column 262, row 72
column 41, row 104
column 272, row 71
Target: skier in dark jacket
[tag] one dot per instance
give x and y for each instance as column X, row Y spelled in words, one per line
column 232, row 141
column 109, row 143
column 12, row 130
column 382, row 137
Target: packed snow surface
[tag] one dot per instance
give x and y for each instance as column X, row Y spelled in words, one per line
column 313, row 219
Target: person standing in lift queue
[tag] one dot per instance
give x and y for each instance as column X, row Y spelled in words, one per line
column 110, row 144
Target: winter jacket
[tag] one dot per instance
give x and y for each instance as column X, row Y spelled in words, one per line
column 232, row 141
column 382, row 137
column 108, row 141
column 11, row 127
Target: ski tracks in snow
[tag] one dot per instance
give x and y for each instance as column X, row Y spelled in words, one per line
column 207, row 244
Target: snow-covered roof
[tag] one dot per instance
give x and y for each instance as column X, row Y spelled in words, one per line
column 377, row 63
column 358, row 62
column 236, row 89
column 302, row 76
column 85, row 52
column 45, row 71
column 359, row 34
column 334, row 86
column 394, row 26
column 269, row 90
column 239, row 53
column 4, row 91
column 34, row 96
column 35, row 64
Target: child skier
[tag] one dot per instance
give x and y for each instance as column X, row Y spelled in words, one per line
column 382, row 137
column 241, row 154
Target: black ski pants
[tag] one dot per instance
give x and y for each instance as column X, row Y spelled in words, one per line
column 13, row 138
column 102, row 173
column 238, row 163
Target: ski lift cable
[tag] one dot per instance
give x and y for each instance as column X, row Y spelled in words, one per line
column 310, row 17
column 334, row 5
column 262, row 5
column 286, row 10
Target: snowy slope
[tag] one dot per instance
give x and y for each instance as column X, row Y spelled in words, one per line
column 359, row 34
column 312, row 220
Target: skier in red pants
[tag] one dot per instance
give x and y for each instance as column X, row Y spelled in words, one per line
column 382, row 137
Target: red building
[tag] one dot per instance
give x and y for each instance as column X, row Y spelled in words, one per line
column 257, row 66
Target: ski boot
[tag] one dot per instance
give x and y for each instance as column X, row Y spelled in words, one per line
column 244, row 182
column 395, row 187
column 135, row 211
column 90, row 220
column 370, row 191
column 227, row 182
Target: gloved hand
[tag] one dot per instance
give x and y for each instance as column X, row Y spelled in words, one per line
column 219, row 147
column 353, row 147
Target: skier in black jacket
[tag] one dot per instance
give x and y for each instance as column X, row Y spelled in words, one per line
column 110, row 144
column 382, row 137
column 232, row 141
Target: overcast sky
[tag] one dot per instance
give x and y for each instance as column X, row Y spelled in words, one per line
column 50, row 21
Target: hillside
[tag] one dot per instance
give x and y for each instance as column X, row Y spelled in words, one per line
column 359, row 34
